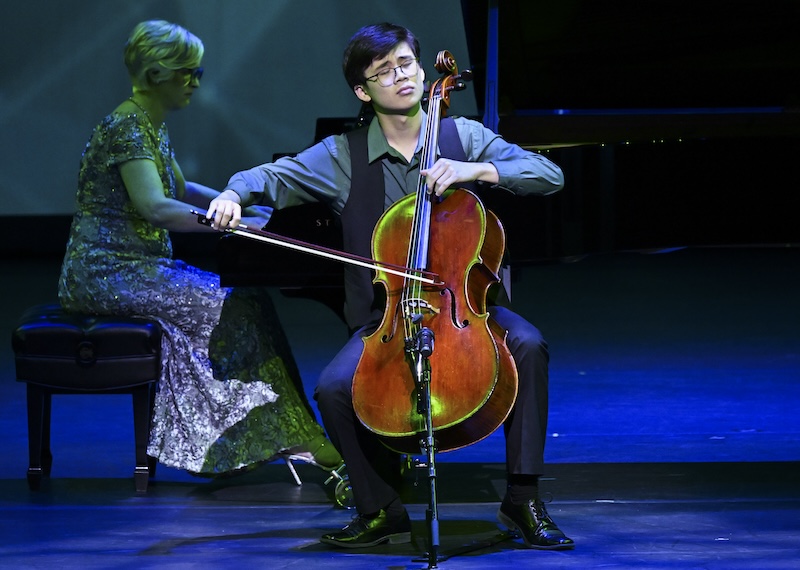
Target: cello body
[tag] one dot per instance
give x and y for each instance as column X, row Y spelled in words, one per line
column 473, row 377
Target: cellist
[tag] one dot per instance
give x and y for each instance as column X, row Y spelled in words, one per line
column 382, row 66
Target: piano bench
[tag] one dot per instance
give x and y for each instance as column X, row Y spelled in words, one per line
column 56, row 352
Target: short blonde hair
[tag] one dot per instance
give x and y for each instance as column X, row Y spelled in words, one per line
column 156, row 48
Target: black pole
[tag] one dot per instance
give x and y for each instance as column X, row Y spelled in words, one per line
column 422, row 351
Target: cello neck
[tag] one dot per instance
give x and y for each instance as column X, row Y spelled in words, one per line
column 438, row 102
column 418, row 243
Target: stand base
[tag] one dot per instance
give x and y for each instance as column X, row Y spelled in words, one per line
column 468, row 548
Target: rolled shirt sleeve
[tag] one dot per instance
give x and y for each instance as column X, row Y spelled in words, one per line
column 319, row 173
column 521, row 171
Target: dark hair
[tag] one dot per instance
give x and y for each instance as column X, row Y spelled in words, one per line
column 371, row 43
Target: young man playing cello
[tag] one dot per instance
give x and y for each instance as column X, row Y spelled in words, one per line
column 381, row 65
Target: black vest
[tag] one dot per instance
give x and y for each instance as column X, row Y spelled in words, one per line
column 365, row 205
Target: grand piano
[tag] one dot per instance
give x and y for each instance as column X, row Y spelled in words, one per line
column 676, row 124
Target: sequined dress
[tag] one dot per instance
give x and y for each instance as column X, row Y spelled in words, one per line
column 230, row 394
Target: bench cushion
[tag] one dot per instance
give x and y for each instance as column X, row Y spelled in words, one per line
column 78, row 352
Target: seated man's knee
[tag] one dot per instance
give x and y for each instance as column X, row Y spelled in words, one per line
column 332, row 386
column 522, row 338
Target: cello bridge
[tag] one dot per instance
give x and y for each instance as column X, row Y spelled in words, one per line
column 414, row 308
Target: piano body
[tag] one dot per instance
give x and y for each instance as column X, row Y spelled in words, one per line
column 675, row 126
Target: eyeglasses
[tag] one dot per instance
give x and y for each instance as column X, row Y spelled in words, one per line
column 385, row 77
column 191, row 74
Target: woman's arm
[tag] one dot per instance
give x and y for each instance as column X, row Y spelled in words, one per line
column 146, row 191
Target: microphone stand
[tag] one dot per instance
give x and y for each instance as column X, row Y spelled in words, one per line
column 421, row 352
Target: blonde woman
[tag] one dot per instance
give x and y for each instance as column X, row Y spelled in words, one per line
column 230, row 394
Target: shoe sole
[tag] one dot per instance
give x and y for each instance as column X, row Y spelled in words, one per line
column 509, row 523
column 398, row 538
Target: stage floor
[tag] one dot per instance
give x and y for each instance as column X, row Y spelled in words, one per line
column 673, row 439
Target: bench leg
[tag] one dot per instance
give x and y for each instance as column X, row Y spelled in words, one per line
column 40, row 458
column 142, row 410
column 151, row 461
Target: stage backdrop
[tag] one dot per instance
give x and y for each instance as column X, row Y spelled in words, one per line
column 271, row 68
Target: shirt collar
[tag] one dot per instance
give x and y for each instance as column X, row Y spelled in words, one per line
column 378, row 146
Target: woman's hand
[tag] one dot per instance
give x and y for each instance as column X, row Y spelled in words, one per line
column 224, row 211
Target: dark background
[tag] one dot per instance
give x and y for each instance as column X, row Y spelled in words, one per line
column 676, row 123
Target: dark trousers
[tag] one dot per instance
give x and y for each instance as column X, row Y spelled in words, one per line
column 373, row 468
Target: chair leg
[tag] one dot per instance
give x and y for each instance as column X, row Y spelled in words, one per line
column 39, row 457
column 141, row 431
column 151, row 461
column 47, row 453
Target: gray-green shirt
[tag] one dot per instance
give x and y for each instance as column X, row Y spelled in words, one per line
column 322, row 172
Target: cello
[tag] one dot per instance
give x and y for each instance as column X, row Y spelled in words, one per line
column 469, row 382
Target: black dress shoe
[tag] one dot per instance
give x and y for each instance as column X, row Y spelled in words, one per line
column 534, row 525
column 364, row 532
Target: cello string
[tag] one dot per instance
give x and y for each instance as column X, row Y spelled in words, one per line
column 412, row 295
